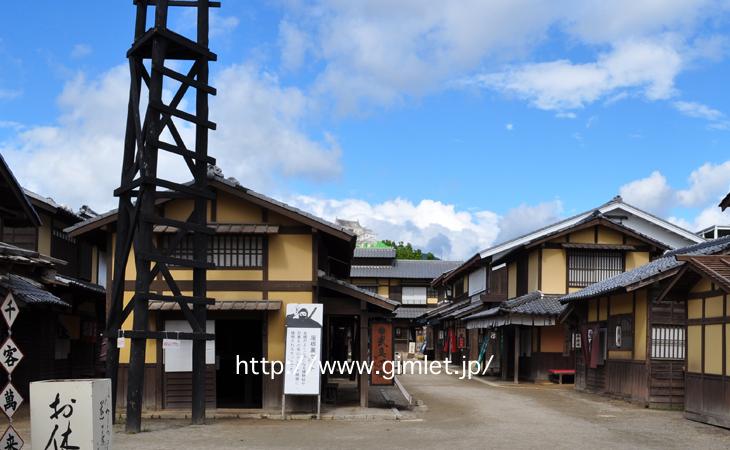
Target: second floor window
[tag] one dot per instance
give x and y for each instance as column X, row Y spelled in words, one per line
column 414, row 295
column 236, row 251
column 459, row 288
column 586, row 267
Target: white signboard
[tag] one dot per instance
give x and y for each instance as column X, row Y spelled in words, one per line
column 10, row 401
column 11, row 440
column 303, row 349
column 10, row 355
column 9, row 310
column 71, row 414
column 179, row 358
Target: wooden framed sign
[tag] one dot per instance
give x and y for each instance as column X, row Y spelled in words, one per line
column 381, row 351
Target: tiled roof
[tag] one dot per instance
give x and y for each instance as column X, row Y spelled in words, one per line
column 75, row 282
column 658, row 266
column 534, row 303
column 223, row 305
column 16, row 255
column 612, row 207
column 376, row 298
column 717, row 267
column 30, row 292
column 410, row 312
column 51, row 204
column 439, row 309
column 548, row 305
column 374, row 252
column 216, row 176
column 465, row 310
column 405, row 268
column 9, row 186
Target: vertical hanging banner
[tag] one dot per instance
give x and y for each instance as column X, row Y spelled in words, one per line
column 9, row 310
column 303, row 349
column 71, row 414
column 10, row 357
column 381, row 350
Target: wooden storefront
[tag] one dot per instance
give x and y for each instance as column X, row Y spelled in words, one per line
column 267, row 255
column 704, row 284
column 650, row 307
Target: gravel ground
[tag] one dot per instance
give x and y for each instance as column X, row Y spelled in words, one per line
column 459, row 414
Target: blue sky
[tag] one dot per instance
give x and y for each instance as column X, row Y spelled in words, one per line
column 449, row 124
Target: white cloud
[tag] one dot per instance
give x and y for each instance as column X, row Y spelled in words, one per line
column 712, row 215
column 80, row 51
column 716, row 118
column 259, row 132
column 648, row 67
column 260, row 138
column 698, row 110
column 599, row 21
column 509, row 127
column 294, row 45
column 526, row 218
column 221, row 25
column 381, row 52
column 709, row 183
column 652, row 193
column 444, row 229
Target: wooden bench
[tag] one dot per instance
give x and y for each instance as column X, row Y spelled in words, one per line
column 561, row 372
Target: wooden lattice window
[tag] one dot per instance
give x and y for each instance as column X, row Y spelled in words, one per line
column 236, row 251
column 586, row 267
column 667, row 342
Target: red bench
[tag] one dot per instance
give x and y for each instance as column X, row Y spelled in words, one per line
column 561, row 372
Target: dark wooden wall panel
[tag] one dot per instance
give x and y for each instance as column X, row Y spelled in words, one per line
column 152, row 395
column 627, row 380
column 666, row 384
column 178, row 389
column 707, row 399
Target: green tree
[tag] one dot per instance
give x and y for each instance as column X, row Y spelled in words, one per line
column 406, row 251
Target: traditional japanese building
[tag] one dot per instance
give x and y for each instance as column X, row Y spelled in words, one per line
column 526, row 333
column 53, row 279
column 408, row 282
column 631, row 330
column 704, row 285
column 267, row 254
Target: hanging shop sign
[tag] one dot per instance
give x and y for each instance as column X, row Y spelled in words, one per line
column 461, row 338
column 11, row 440
column 381, row 351
column 10, row 357
column 9, row 310
column 10, row 401
column 303, row 349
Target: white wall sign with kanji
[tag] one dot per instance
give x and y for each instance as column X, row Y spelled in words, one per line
column 10, row 355
column 11, row 440
column 10, row 401
column 9, row 309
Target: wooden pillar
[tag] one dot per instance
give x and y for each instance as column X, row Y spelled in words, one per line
column 200, row 213
column 363, row 377
column 517, row 355
column 502, row 353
